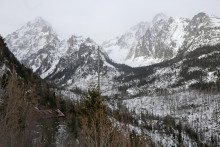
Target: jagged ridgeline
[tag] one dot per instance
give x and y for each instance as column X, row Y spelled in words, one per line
column 148, row 43
column 73, row 62
column 68, row 63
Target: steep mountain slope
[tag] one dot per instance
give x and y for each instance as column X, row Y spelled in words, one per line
column 9, row 64
column 36, row 43
column 73, row 63
column 185, row 88
column 21, row 93
column 79, row 68
column 165, row 37
column 119, row 47
column 202, row 30
column 68, row 63
column 161, row 41
column 197, row 69
column 31, row 83
column 155, row 91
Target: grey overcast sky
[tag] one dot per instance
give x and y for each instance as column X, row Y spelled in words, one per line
column 99, row 19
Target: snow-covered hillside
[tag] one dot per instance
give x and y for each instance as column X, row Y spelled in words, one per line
column 195, row 110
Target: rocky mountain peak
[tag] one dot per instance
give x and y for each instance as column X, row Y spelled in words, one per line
column 197, row 23
column 31, row 37
column 34, row 43
column 70, row 62
column 139, row 25
column 73, row 40
column 158, row 17
column 118, row 48
column 89, row 40
column 40, row 21
column 201, row 19
column 37, row 25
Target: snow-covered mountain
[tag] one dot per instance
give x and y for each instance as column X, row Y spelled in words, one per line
column 202, row 30
column 36, row 45
column 71, row 62
column 78, row 67
column 118, row 48
column 191, row 53
column 165, row 36
column 161, row 41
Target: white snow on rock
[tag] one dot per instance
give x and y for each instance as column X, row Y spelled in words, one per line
column 163, row 38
